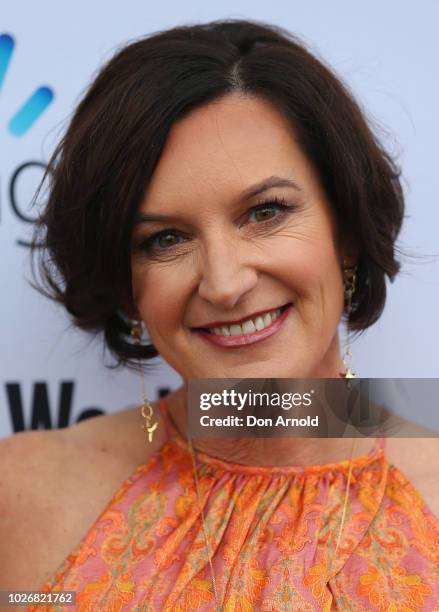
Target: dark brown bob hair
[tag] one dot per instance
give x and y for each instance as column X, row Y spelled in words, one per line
column 99, row 172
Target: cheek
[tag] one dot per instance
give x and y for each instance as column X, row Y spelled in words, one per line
column 159, row 294
column 312, row 270
column 309, row 264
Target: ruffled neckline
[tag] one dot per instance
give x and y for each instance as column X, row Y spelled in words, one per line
column 376, row 452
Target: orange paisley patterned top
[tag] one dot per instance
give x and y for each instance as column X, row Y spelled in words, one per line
column 272, row 530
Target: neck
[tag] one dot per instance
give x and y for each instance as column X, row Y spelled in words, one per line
column 268, row 451
column 280, row 450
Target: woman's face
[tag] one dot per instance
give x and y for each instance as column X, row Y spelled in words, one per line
column 244, row 230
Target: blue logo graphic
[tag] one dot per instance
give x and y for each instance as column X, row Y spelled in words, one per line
column 36, row 103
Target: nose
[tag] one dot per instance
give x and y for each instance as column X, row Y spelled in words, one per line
column 226, row 273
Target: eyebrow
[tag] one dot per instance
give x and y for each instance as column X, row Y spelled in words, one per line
column 247, row 194
column 272, row 181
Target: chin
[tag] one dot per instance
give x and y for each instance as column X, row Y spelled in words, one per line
column 253, row 371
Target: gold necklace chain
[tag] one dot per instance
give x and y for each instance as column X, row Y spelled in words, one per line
column 207, row 536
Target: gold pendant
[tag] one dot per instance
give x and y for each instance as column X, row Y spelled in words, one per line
column 348, row 374
column 147, row 427
column 150, row 430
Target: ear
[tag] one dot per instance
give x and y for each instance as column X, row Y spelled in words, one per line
column 349, row 261
column 349, row 254
column 129, row 309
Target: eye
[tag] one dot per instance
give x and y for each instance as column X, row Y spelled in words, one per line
column 161, row 241
column 271, row 209
column 164, row 239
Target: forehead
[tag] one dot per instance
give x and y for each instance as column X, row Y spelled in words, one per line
column 221, row 148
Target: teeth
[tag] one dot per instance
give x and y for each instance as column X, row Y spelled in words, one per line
column 247, row 327
column 259, row 323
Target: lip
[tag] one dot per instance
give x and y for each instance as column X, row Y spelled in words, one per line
column 238, row 321
column 246, row 339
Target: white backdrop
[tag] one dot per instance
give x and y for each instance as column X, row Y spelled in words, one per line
column 388, row 54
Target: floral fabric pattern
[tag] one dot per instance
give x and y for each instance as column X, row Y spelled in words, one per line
column 273, row 537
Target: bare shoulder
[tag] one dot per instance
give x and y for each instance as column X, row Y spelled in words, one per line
column 29, row 467
column 415, row 453
column 70, row 473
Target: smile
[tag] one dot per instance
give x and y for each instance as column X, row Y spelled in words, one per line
column 249, row 331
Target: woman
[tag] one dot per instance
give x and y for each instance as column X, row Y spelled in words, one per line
column 218, row 185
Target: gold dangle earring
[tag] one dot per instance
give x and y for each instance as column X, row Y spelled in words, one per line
column 147, row 410
column 349, row 278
